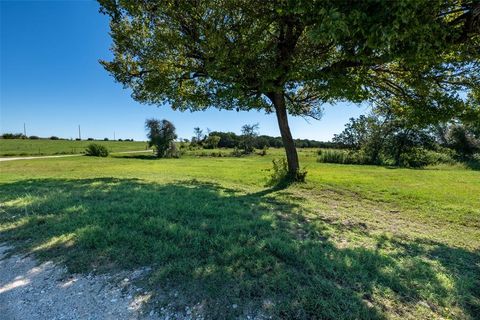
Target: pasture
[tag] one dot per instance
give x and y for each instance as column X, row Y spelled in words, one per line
column 353, row 242
column 43, row 147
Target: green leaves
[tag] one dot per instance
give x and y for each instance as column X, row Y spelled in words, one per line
column 415, row 57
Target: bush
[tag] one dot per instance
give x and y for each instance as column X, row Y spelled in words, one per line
column 442, row 156
column 96, row 150
column 237, row 152
column 280, row 177
column 415, row 158
column 411, row 158
column 172, row 151
column 263, row 152
column 34, row 137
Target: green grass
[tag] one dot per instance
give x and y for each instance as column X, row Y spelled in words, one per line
column 27, row 147
column 354, row 242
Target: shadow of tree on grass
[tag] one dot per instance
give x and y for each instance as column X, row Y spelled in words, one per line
column 137, row 156
column 223, row 247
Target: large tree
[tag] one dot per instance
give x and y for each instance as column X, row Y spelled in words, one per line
column 417, row 57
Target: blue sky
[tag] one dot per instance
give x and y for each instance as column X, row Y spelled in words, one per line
column 52, row 81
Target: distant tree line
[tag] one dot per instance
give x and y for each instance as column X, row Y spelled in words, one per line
column 233, row 140
column 22, row 136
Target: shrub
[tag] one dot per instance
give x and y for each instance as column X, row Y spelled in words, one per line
column 442, row 156
column 415, row 158
column 280, row 176
column 237, row 152
column 263, row 152
column 96, row 150
column 172, row 151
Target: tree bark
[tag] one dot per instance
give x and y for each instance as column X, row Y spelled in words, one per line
column 278, row 100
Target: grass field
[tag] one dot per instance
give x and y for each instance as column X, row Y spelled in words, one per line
column 354, row 242
column 27, row 147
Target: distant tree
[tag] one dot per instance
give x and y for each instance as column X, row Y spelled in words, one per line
column 356, row 132
column 384, row 137
column 34, row 137
column 227, row 139
column 106, row 139
column 198, row 136
column 249, row 133
column 294, row 56
column 161, row 135
column 211, row 142
column 57, row 138
column 261, row 142
column 463, row 141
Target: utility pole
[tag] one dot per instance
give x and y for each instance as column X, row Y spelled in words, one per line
column 79, row 133
column 113, row 135
column 24, row 130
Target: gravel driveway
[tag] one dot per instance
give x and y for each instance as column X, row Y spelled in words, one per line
column 29, row 290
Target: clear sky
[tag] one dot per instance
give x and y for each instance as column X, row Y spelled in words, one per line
column 52, row 81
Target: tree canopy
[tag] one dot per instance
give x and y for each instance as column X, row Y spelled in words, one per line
column 418, row 58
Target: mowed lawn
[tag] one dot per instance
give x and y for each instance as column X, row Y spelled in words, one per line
column 354, row 242
column 36, row 147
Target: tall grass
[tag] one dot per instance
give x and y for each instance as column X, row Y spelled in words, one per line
column 340, row 156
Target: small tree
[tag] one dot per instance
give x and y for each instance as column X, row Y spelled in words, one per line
column 249, row 133
column 161, row 134
column 211, row 142
column 198, row 137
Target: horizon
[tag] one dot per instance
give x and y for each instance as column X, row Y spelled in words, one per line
column 51, row 80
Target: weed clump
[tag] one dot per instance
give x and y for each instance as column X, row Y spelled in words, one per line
column 281, row 178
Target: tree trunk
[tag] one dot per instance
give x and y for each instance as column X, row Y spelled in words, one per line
column 278, row 100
